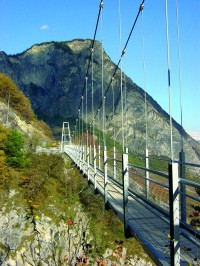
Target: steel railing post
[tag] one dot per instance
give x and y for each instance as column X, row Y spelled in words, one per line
column 75, row 154
column 114, row 163
column 99, row 151
column 90, row 153
column 105, row 177
column 88, row 162
column 62, row 139
column 83, row 158
column 147, row 174
column 125, row 179
column 95, row 169
column 174, row 214
column 182, row 186
column 79, row 157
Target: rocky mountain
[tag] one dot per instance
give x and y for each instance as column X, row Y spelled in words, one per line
column 52, row 76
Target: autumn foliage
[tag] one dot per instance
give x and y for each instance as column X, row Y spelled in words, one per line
column 3, row 166
column 9, row 92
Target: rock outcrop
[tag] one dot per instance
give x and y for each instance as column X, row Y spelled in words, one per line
column 11, row 119
column 29, row 240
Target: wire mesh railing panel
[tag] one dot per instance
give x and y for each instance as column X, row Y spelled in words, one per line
column 100, row 181
column 190, row 203
column 190, row 194
column 115, row 169
column 192, row 210
column 137, row 180
column 189, row 190
column 152, row 186
column 100, row 162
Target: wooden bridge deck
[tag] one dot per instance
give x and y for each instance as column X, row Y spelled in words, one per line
column 149, row 225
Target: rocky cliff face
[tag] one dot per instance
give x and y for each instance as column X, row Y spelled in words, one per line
column 28, row 242
column 52, row 75
column 11, row 119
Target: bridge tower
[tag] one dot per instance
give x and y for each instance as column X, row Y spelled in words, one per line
column 66, row 136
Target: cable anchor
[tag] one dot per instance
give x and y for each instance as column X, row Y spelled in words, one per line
column 123, row 52
column 101, row 4
column 141, row 7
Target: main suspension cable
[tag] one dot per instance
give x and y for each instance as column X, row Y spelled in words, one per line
column 92, row 47
column 122, row 54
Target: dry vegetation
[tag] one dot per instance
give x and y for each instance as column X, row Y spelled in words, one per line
column 10, row 93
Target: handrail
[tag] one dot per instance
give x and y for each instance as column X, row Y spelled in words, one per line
column 190, row 196
column 188, row 182
column 100, row 171
column 159, row 159
column 99, row 155
column 189, row 164
column 113, row 159
column 117, row 183
column 191, row 239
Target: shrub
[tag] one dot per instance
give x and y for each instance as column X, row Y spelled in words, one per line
column 3, row 136
column 15, row 150
column 3, row 167
column 40, row 124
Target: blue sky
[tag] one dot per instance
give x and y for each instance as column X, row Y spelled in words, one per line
column 26, row 22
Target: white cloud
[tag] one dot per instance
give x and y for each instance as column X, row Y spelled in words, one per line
column 44, row 27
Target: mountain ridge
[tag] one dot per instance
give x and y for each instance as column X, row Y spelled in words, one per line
column 52, row 75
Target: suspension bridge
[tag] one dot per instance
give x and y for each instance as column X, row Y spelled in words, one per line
column 161, row 207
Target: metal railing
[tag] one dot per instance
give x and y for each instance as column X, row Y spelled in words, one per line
column 170, row 192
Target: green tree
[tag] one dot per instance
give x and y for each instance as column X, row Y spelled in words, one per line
column 15, row 150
